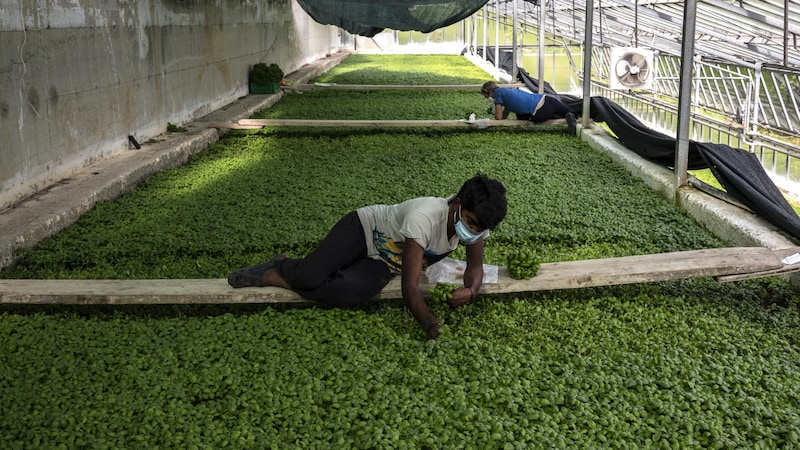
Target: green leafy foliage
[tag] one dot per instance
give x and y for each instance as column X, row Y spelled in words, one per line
column 522, row 264
column 172, row 128
column 405, row 70
column 376, row 105
column 256, row 194
column 442, row 292
column 692, row 364
column 261, row 73
column 632, row 367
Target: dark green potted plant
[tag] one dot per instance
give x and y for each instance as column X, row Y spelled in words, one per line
column 265, row 79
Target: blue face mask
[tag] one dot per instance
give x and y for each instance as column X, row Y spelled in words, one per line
column 462, row 230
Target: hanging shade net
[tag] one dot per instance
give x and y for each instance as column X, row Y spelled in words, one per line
column 370, row 17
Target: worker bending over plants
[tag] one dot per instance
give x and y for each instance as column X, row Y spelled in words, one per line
column 368, row 247
column 527, row 106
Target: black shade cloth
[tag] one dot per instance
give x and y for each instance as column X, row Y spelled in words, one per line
column 636, row 136
column 738, row 171
column 505, row 55
column 743, row 177
column 370, row 17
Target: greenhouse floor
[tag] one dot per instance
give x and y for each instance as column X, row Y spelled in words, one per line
column 58, row 206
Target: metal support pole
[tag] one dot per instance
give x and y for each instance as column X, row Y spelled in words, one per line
column 474, row 40
column 485, row 30
column 542, row 19
column 587, row 63
column 496, row 35
column 786, row 33
column 514, row 24
column 685, row 95
column 756, row 99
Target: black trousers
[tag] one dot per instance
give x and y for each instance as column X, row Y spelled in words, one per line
column 552, row 108
column 338, row 272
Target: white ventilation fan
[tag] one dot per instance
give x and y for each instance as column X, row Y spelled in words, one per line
column 631, row 68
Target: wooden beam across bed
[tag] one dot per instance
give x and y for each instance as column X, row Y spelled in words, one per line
column 726, row 264
column 337, row 123
column 379, row 87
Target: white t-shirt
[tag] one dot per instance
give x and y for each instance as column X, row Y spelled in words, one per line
column 386, row 228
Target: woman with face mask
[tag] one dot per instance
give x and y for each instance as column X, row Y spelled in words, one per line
column 368, row 247
column 527, row 106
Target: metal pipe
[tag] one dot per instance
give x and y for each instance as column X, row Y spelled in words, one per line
column 485, row 30
column 636, row 24
column 785, row 32
column 542, row 19
column 496, row 35
column 685, row 95
column 514, row 42
column 587, row 64
column 756, row 98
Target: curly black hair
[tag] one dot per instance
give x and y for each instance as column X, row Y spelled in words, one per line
column 486, row 198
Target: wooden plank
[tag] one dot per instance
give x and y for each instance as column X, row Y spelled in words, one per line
column 378, row 87
column 643, row 269
column 551, row 276
column 119, row 292
column 250, row 124
column 233, row 126
column 784, row 270
column 384, row 123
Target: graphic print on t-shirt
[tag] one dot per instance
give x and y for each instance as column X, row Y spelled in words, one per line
column 389, row 250
column 392, row 252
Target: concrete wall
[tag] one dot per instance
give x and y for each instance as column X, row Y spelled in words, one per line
column 78, row 76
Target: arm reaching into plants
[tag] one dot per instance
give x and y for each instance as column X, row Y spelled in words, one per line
column 473, row 277
column 412, row 295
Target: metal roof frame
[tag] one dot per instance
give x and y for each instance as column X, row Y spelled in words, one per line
column 742, row 32
column 744, row 51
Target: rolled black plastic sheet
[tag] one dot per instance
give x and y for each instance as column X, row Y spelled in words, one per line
column 741, row 174
column 738, row 171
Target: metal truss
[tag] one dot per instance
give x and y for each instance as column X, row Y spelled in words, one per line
column 746, row 61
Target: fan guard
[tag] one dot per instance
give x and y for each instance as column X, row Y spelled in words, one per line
column 631, row 68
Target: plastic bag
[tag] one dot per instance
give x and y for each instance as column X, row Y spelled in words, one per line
column 450, row 270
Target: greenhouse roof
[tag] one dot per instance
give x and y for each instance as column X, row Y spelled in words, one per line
column 744, row 32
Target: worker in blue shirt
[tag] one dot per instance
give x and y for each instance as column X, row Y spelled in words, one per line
column 527, row 106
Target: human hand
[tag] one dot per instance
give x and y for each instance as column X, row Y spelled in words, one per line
column 434, row 330
column 460, row 297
